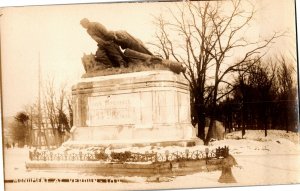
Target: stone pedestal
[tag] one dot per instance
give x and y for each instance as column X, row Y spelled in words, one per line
column 141, row 107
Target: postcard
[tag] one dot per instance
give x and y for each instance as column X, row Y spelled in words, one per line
column 149, row 95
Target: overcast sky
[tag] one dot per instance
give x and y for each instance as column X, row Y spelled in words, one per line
column 53, row 36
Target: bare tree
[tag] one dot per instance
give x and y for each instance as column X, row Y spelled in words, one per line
column 55, row 105
column 286, row 93
column 63, row 105
column 36, row 123
column 55, row 112
column 205, row 36
column 49, row 104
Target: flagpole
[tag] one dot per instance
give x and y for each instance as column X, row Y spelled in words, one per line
column 39, row 103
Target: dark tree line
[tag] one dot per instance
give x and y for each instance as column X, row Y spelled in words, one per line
column 263, row 97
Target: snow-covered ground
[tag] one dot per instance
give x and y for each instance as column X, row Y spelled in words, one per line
column 259, row 135
column 261, row 161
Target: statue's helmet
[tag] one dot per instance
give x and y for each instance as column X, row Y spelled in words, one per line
column 84, row 22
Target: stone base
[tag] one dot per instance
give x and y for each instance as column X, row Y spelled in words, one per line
column 135, row 143
column 129, row 136
column 140, row 107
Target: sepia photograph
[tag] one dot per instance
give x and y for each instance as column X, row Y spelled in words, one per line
column 149, row 95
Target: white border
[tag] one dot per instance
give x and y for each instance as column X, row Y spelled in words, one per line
column 9, row 3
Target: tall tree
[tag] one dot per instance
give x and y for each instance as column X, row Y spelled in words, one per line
column 205, row 36
column 49, row 108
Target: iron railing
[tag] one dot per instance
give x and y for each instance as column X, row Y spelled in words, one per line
column 128, row 156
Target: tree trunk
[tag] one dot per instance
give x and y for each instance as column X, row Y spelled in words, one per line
column 200, row 112
column 197, row 104
column 201, row 126
column 201, row 119
column 266, row 130
column 286, row 118
column 243, row 118
column 211, row 131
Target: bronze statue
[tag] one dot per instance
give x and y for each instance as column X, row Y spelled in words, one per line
column 109, row 53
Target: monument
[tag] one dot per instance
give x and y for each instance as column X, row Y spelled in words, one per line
column 127, row 108
column 151, row 106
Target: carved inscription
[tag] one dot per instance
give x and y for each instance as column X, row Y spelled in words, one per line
column 113, row 110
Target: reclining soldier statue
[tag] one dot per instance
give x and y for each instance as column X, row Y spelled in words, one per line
column 109, row 51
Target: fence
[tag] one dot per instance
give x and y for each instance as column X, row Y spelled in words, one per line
column 128, row 156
